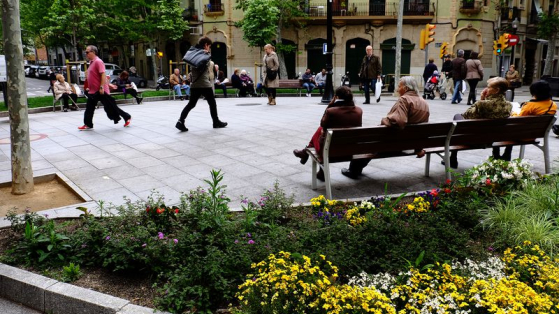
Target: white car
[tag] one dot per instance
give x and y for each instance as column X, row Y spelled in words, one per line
column 109, row 68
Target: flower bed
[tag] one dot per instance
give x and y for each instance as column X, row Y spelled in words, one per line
column 200, row 254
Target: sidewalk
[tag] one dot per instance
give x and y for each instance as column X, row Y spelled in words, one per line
column 8, row 307
column 112, row 162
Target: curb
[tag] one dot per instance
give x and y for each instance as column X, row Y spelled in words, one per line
column 50, row 296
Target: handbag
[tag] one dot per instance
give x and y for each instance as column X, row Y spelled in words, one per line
column 197, row 57
column 271, row 74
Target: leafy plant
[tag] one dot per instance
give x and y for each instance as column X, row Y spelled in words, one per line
column 42, row 245
column 19, row 222
column 71, row 272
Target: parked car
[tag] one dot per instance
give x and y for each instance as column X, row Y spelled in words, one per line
column 109, row 68
column 43, row 72
column 31, row 70
column 138, row 80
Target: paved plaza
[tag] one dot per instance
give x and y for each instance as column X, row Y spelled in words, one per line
column 111, row 162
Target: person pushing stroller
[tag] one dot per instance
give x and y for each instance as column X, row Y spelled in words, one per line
column 430, row 85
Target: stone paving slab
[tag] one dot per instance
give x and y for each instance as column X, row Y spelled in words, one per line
column 253, row 151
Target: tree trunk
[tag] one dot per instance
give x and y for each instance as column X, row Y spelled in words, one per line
column 22, row 173
column 282, row 67
column 154, row 64
column 550, row 53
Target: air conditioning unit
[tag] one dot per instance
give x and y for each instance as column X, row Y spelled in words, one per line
column 196, row 30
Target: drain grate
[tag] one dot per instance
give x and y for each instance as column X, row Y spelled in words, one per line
column 252, row 104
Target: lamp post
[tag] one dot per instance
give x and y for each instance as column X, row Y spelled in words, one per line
column 514, row 28
column 329, row 88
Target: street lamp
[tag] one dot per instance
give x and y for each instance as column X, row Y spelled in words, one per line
column 514, row 28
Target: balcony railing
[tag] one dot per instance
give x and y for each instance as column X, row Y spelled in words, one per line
column 365, row 8
column 213, row 7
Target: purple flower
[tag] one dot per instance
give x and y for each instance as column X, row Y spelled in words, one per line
column 249, row 235
column 160, row 235
column 176, row 241
column 84, row 246
column 107, row 238
column 46, row 215
column 491, row 249
column 250, row 242
column 244, row 201
column 144, row 245
column 236, row 241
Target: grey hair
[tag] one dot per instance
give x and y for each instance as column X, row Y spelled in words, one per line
column 460, row 53
column 94, row 49
column 410, row 83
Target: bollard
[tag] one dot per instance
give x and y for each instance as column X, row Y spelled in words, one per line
column 508, row 95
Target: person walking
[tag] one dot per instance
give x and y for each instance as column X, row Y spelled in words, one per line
column 430, row 68
column 458, row 75
column 474, row 74
column 447, row 70
column 369, row 73
column 270, row 73
column 513, row 78
column 98, row 90
column 201, row 85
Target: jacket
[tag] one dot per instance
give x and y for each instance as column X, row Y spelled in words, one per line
column 236, row 81
column 474, row 69
column 537, row 108
column 457, row 74
column 428, row 71
column 270, row 61
column 341, row 115
column 447, row 68
column 175, row 80
column 60, row 89
column 493, row 107
column 201, row 77
column 512, row 76
column 410, row 108
column 370, row 68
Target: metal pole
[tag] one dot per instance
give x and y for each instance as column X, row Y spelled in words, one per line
column 501, row 64
column 398, row 46
column 329, row 88
column 426, row 54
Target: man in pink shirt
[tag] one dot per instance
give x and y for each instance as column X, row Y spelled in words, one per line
column 99, row 91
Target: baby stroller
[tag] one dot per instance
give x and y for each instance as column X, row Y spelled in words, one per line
column 441, row 87
column 432, row 83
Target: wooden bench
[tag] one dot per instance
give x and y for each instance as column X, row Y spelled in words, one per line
column 291, row 84
column 343, row 145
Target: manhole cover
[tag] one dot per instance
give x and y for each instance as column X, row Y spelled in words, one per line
column 249, row 104
column 32, row 137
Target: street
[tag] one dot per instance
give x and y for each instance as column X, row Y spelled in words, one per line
column 37, row 87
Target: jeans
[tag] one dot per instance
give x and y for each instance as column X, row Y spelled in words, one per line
column 309, row 87
column 320, row 86
column 369, row 84
column 456, row 97
column 178, row 88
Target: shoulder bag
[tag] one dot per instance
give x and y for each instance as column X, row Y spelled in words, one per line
column 197, row 57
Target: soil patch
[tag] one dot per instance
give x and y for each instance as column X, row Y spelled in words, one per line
column 46, row 195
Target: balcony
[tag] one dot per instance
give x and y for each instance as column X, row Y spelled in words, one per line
column 213, row 9
column 359, row 11
column 470, row 6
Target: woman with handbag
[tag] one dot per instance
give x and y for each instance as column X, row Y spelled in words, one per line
column 474, row 74
column 513, row 78
column 63, row 90
column 271, row 78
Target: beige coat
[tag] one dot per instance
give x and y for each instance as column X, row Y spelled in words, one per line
column 270, row 61
column 410, row 108
column 60, row 89
column 474, row 69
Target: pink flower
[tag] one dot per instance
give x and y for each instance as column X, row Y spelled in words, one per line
column 160, row 235
column 144, row 245
column 488, row 182
column 176, row 241
column 250, row 242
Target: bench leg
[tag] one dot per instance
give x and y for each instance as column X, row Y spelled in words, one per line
column 313, row 175
column 522, row 150
column 327, row 181
column 546, row 156
column 427, row 164
column 447, row 165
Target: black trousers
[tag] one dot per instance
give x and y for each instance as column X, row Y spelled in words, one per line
column 271, row 91
column 195, row 94
column 132, row 92
column 65, row 98
column 92, row 100
column 472, row 94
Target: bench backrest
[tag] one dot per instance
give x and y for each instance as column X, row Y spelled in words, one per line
column 290, row 83
column 365, row 140
column 486, row 131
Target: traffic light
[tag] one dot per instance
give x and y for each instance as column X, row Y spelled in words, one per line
column 444, row 50
column 429, row 32
column 505, row 41
column 497, row 47
column 160, row 54
column 422, row 40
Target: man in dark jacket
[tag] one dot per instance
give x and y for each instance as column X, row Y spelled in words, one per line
column 429, row 69
column 447, row 70
column 458, row 75
column 370, row 72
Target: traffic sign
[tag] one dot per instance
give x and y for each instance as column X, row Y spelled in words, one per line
column 513, row 40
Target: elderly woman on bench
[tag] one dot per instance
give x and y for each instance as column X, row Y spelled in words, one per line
column 340, row 113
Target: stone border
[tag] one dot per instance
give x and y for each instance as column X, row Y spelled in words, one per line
column 47, row 295
column 60, row 212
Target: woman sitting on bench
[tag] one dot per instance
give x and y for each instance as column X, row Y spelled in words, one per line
column 63, row 90
column 125, row 86
column 340, row 113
